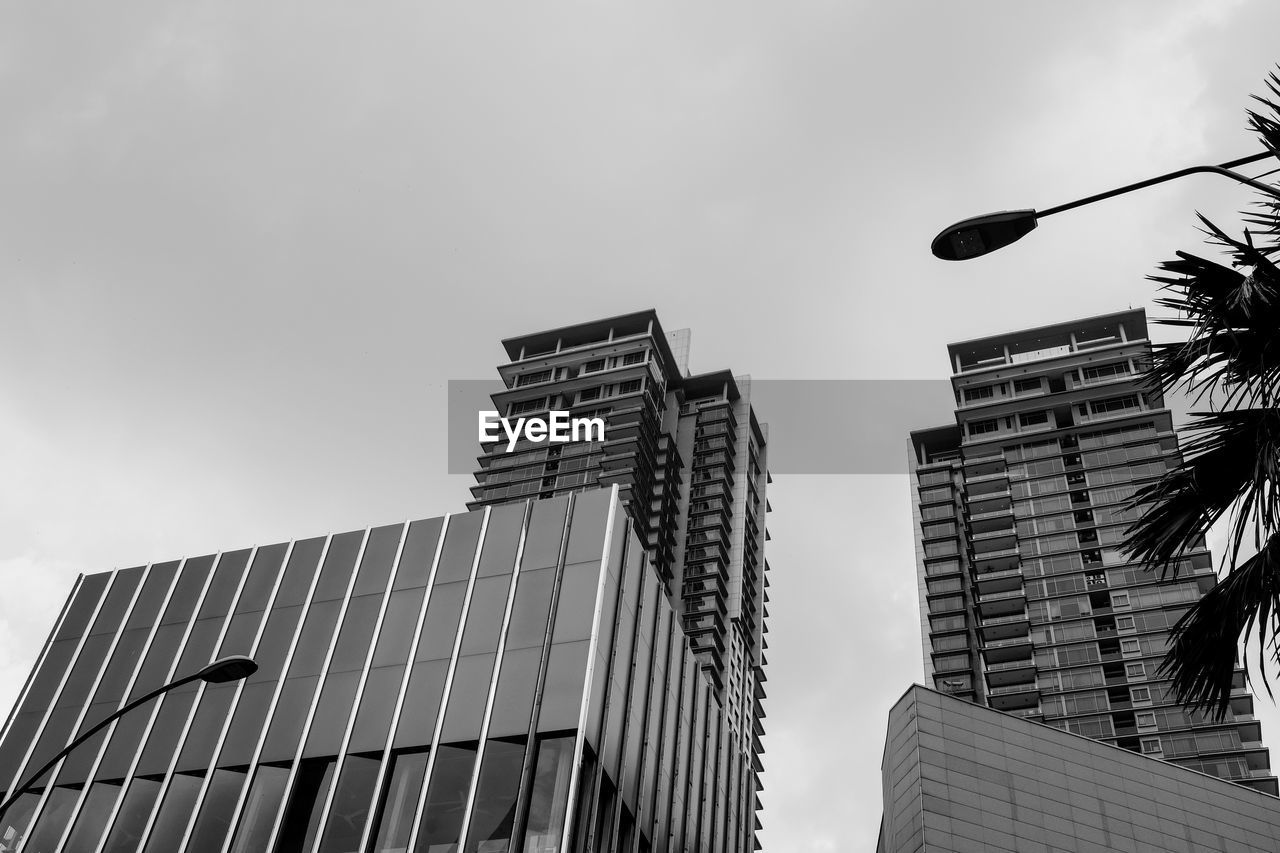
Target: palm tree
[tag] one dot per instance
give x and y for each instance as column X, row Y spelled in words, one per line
column 1231, row 464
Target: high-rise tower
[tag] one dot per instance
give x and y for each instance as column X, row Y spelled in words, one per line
column 1026, row 603
column 689, row 458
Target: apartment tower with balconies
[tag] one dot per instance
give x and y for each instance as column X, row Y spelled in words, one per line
column 1027, row 603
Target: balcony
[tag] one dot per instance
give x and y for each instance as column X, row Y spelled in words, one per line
column 1012, row 650
column 994, row 583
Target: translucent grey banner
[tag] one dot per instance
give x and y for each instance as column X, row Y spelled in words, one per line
column 816, row 426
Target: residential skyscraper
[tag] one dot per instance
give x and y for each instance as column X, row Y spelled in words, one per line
column 1026, row 602
column 690, row 460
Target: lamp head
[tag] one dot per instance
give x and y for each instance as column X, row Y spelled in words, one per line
column 231, row 668
column 980, row 235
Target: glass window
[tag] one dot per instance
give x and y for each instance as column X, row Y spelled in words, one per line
column 300, row 572
column 226, row 577
column 501, row 539
column 313, row 644
column 350, row 807
column 576, row 609
column 246, row 725
column 550, row 796
column 202, row 738
column 546, row 527
column 484, row 615
column 163, row 740
column 302, row 817
column 357, row 630
column 332, row 712
column 377, row 703
column 467, row 695
column 335, row 577
column 586, row 533
column 214, row 824
column 440, row 626
column 379, row 555
column 562, row 695
column 529, row 612
column 53, row 819
column 76, row 621
column 418, row 554
column 517, row 683
column 398, row 624
column 286, row 722
column 459, row 547
column 446, row 798
column 175, row 812
column 262, row 578
column 422, row 704
column 118, row 598
column 126, row 832
column 240, row 633
column 495, row 802
column 396, row 810
column 260, row 809
column 92, row 820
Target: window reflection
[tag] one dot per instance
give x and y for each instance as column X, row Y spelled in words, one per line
column 493, row 815
column 175, row 813
column 395, row 818
column 261, row 807
column 302, row 817
column 550, row 797
column 126, row 832
column 446, row 799
column 351, row 800
column 93, row 815
column 53, row 819
column 13, row 826
column 213, row 825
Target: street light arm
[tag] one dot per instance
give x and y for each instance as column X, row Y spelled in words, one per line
column 141, row 700
column 1223, row 169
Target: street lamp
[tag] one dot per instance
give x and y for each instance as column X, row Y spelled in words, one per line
column 231, row 668
column 981, row 235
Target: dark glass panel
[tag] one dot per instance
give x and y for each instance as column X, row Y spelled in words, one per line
column 493, row 815
column 562, row 696
column 201, row 644
column 421, row 704
column 75, row 692
column 124, row 660
column 440, row 627
column 419, row 552
column 577, row 606
column 467, row 697
column 586, row 531
column 16, row 819
column 531, row 608
column 274, row 645
column 335, row 577
column 186, row 595
column 484, row 615
column 214, row 823
column 332, row 713
column 53, row 737
column 446, row 799
column 286, row 722
column 53, row 819
column 398, row 804
column 160, row 655
column 126, row 832
column 517, row 683
column 163, row 740
column 40, row 696
column 262, row 578
column 357, row 631
column 175, row 813
column 260, row 809
column 302, row 816
column 240, row 633
column 123, row 745
column 546, row 530
column 246, row 725
column 215, row 704
column 350, row 807
column 501, row 539
column 147, row 607
column 77, row 619
column 377, row 703
column 75, row 767
column 92, row 820
column 118, row 597
column 396, row 636
column 226, row 577
column 379, row 556
column 459, row 547
column 317, row 634
column 300, row 572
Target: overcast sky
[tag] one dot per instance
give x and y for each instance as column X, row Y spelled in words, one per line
column 243, row 247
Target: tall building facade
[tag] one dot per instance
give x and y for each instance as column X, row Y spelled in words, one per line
column 1026, row 603
column 690, row 460
column 513, row 678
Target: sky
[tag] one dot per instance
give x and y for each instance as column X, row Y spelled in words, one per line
column 244, row 247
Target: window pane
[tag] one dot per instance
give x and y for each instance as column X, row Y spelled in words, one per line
column 373, row 720
column 302, row 817
column 529, row 612
column 397, row 627
column 550, row 796
column 467, row 697
column 562, row 697
column 262, row 578
column 18, row 816
column 53, row 819
column 332, row 712
column 357, row 631
column 459, row 547
column 350, row 807
column 501, row 539
column 118, row 598
column 517, row 682
column 575, row 612
column 440, row 626
column 126, row 832
column 396, row 810
column 419, row 552
column 286, row 723
column 379, row 555
column 484, row 615
column 421, row 704
column 446, row 798
column 546, row 527
column 335, row 576
column 493, row 815
column 77, row 618
column 175, row 812
column 213, row 825
column 300, row 572
column 93, row 815
column 260, row 809
column 226, row 577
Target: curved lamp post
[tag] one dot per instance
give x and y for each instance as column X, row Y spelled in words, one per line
column 981, row 235
column 232, row 668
